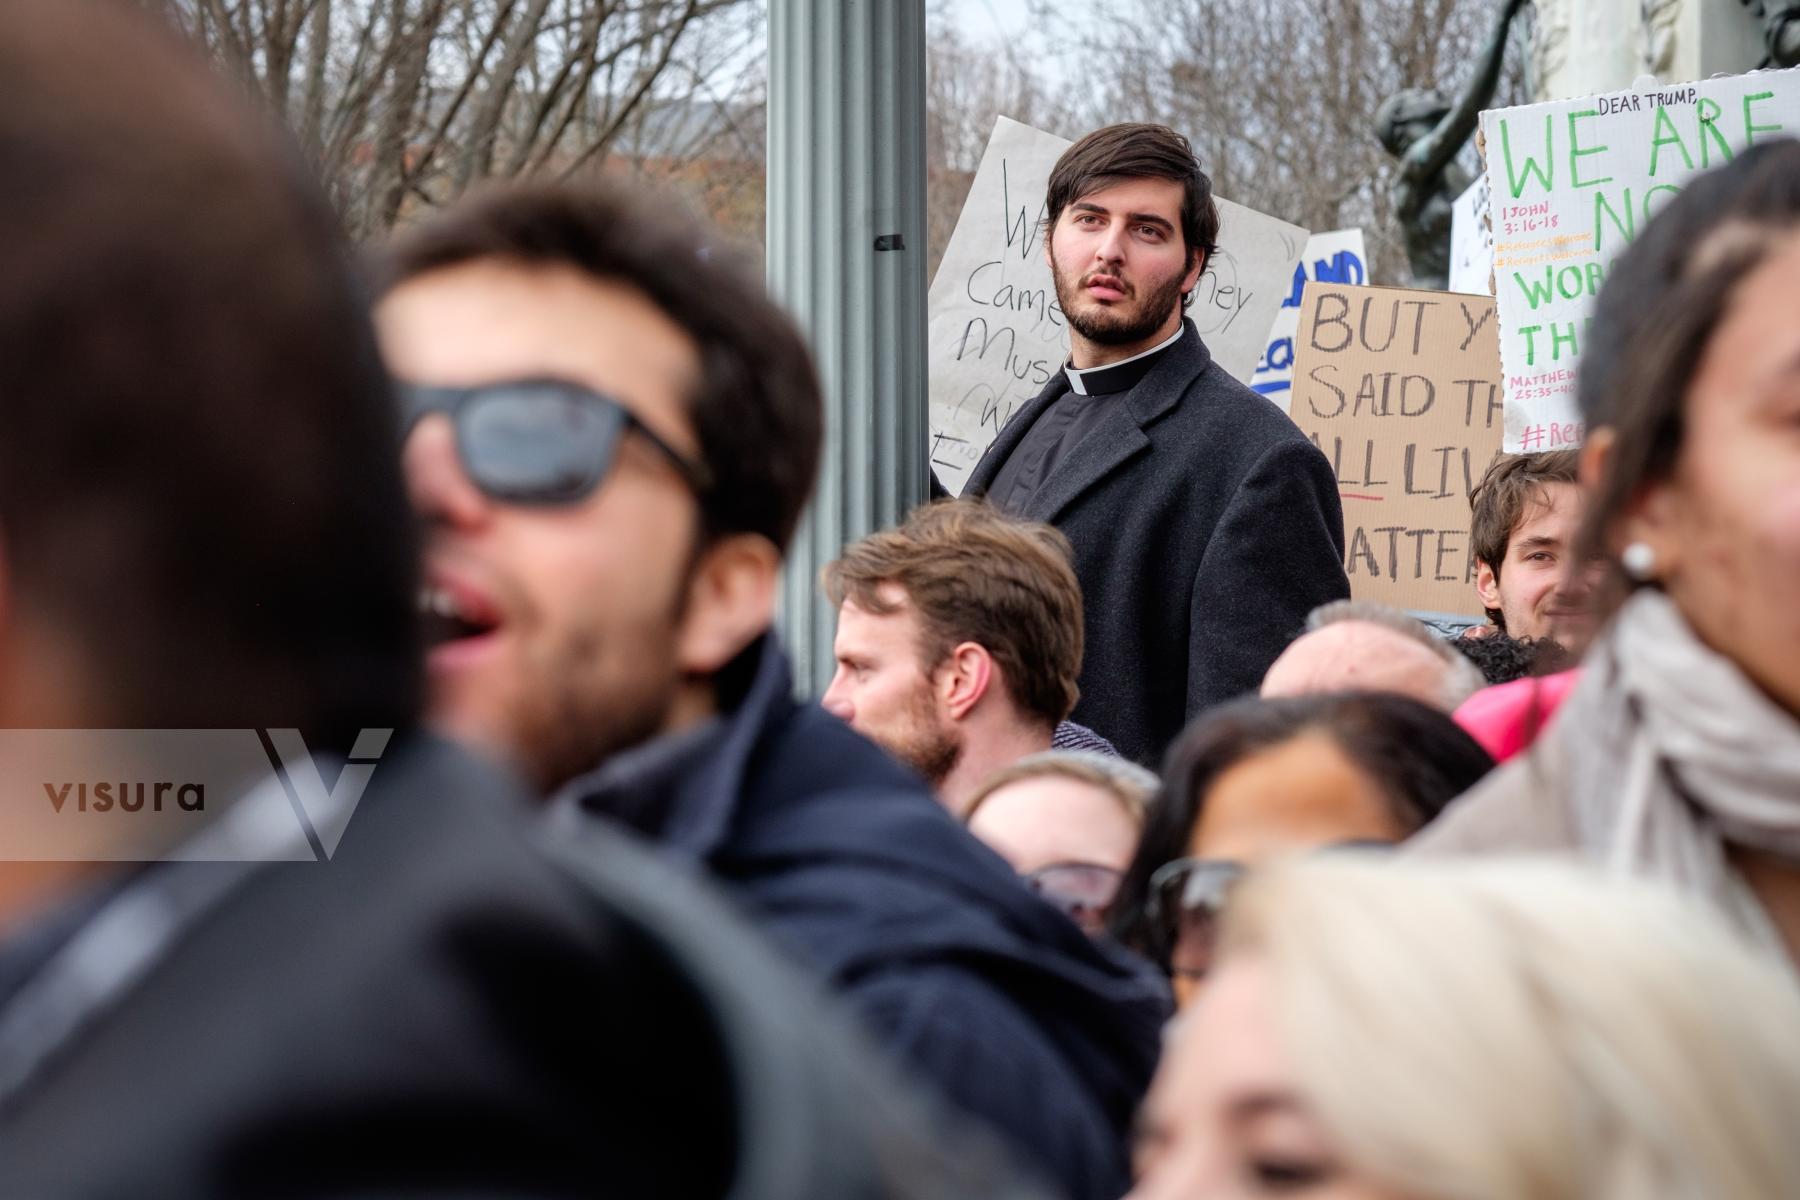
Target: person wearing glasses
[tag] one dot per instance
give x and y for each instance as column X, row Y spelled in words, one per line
column 611, row 434
column 1067, row 821
column 1257, row 779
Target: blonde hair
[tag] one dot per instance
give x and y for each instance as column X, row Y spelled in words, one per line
column 1480, row 1031
column 1131, row 785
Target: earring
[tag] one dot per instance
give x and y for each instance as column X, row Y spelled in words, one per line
column 1639, row 561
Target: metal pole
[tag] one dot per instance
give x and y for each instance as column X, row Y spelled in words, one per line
column 846, row 254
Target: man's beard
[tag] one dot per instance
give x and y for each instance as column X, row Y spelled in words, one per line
column 590, row 696
column 925, row 744
column 598, row 689
column 1113, row 326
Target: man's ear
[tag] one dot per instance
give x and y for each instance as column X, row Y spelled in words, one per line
column 1487, row 585
column 730, row 602
column 1196, row 268
column 963, row 678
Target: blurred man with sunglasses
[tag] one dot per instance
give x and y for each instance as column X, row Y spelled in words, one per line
column 350, row 967
column 611, row 435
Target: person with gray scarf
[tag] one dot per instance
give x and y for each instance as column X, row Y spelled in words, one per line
column 1677, row 757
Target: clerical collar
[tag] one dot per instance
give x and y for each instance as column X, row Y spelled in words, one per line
column 1121, row 376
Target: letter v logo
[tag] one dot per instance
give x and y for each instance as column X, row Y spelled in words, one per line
column 325, row 812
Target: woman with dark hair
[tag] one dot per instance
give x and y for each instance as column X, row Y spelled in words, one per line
column 1677, row 756
column 1258, row 778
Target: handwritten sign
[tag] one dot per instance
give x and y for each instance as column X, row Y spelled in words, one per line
column 997, row 333
column 1335, row 257
column 1472, row 242
column 1571, row 183
column 1401, row 391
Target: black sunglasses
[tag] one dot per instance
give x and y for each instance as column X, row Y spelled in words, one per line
column 1183, row 907
column 1187, row 897
column 539, row 441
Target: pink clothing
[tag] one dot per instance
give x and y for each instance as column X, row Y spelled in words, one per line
column 1508, row 717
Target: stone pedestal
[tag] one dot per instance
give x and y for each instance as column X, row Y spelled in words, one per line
column 1581, row 47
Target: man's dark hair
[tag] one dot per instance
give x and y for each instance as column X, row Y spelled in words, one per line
column 1120, row 152
column 756, row 407
column 1502, row 658
column 200, row 492
column 1419, row 758
column 974, row 574
column 1503, row 498
column 1663, row 299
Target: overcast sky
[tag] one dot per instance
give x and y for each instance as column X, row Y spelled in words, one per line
column 991, row 20
column 1009, row 22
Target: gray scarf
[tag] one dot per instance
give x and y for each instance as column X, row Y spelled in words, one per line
column 1672, row 754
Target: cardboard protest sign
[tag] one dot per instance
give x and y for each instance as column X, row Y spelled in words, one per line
column 1472, row 242
column 1401, row 390
column 996, row 332
column 1335, row 257
column 1572, row 182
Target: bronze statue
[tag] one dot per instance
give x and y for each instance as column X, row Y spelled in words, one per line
column 1425, row 132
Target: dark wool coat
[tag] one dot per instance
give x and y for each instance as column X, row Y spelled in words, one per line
column 980, row 987
column 1205, row 525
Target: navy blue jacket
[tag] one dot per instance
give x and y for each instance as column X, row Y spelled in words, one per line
column 844, row 856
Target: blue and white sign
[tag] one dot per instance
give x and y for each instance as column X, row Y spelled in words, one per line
column 1335, row 257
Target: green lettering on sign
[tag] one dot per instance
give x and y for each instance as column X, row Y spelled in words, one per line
column 1545, row 171
column 1578, row 151
column 1665, row 134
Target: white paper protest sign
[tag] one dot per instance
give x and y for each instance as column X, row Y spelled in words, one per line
column 1472, row 242
column 1571, row 183
column 1335, row 257
column 996, row 332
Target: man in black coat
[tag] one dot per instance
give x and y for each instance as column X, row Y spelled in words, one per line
column 614, row 434
column 1205, row 525
column 334, row 963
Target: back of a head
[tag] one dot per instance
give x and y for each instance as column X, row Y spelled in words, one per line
column 1502, row 658
column 1358, row 645
column 973, row 574
column 199, row 475
column 1133, row 786
column 1500, row 1029
column 756, row 408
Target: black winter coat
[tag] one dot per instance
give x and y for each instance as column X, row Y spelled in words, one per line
column 1205, row 526
column 976, row 984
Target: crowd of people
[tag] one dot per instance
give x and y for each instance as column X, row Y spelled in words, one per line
column 1125, row 852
